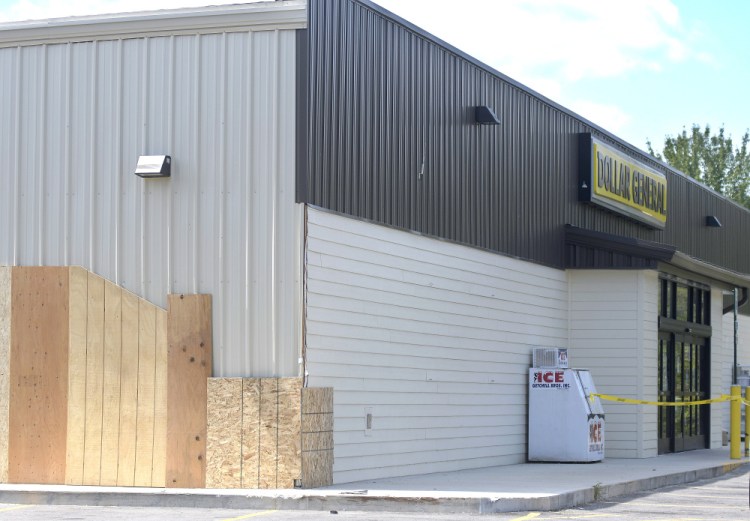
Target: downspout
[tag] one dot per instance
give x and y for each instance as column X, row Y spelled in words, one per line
column 742, row 302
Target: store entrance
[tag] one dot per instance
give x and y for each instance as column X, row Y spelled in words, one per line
column 683, row 365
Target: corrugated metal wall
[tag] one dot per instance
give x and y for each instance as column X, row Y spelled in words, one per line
column 393, row 139
column 74, row 117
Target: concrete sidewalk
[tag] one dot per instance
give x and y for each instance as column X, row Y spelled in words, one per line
column 513, row 488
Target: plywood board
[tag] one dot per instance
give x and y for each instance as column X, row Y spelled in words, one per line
column 160, row 401
column 190, row 350
column 317, row 399
column 317, row 468
column 38, row 375
column 77, row 320
column 250, row 431
column 128, row 390
column 317, row 422
column 111, row 391
column 269, row 433
column 224, row 433
column 92, row 454
column 317, row 441
column 317, row 437
column 144, row 438
column 5, row 310
column 289, row 446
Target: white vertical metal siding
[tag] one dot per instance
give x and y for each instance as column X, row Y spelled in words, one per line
column 75, row 116
column 432, row 338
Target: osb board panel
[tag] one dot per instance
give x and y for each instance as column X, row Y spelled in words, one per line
column 317, row 422
column 250, row 431
column 289, row 446
column 190, row 349
column 111, row 392
column 317, row 437
column 92, row 452
column 317, row 468
column 77, row 318
column 128, row 391
column 160, row 401
column 144, row 437
column 317, row 399
column 38, row 376
column 5, row 289
column 269, row 431
column 224, row 433
column 317, row 441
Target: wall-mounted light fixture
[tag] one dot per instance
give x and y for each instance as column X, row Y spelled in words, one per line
column 154, row 166
column 484, row 115
column 712, row 221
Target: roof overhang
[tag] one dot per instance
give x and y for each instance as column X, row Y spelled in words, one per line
column 630, row 246
column 732, row 279
column 287, row 14
column 658, row 256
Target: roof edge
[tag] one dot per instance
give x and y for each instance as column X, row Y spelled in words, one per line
column 601, row 131
column 286, row 14
column 730, row 277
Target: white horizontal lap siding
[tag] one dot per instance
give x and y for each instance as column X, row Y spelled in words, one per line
column 743, row 335
column 614, row 334
column 432, row 338
column 74, row 117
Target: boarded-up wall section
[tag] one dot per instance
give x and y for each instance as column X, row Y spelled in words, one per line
column 38, row 375
column 250, row 432
column 189, row 366
column 317, row 437
column 224, row 433
column 77, row 318
column 288, row 436
column 83, row 380
column 117, row 353
column 256, row 429
column 5, row 307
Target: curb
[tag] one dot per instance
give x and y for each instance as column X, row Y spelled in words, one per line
column 342, row 501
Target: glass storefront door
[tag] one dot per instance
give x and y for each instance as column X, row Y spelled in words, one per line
column 683, row 365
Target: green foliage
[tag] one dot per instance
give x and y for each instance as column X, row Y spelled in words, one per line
column 711, row 159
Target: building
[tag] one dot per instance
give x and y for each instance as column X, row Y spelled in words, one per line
column 356, row 227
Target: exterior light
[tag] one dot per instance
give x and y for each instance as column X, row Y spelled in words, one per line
column 712, row 221
column 154, row 166
column 484, row 115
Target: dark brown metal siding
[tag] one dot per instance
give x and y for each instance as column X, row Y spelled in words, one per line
column 392, row 139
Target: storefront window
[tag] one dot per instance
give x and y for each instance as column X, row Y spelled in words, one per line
column 684, row 301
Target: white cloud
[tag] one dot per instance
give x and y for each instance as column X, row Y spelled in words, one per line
column 606, row 116
column 570, row 40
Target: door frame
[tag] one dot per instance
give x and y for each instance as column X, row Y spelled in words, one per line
column 692, row 329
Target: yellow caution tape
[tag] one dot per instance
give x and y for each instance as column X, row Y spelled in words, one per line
column 722, row 398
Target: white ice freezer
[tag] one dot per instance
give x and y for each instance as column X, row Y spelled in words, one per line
column 564, row 424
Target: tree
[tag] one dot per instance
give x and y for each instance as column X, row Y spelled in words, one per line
column 711, row 159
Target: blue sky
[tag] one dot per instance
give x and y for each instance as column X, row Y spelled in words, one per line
column 642, row 69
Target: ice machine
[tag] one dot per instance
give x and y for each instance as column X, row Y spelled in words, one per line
column 566, row 424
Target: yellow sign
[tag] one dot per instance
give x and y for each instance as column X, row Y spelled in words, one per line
column 623, row 185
